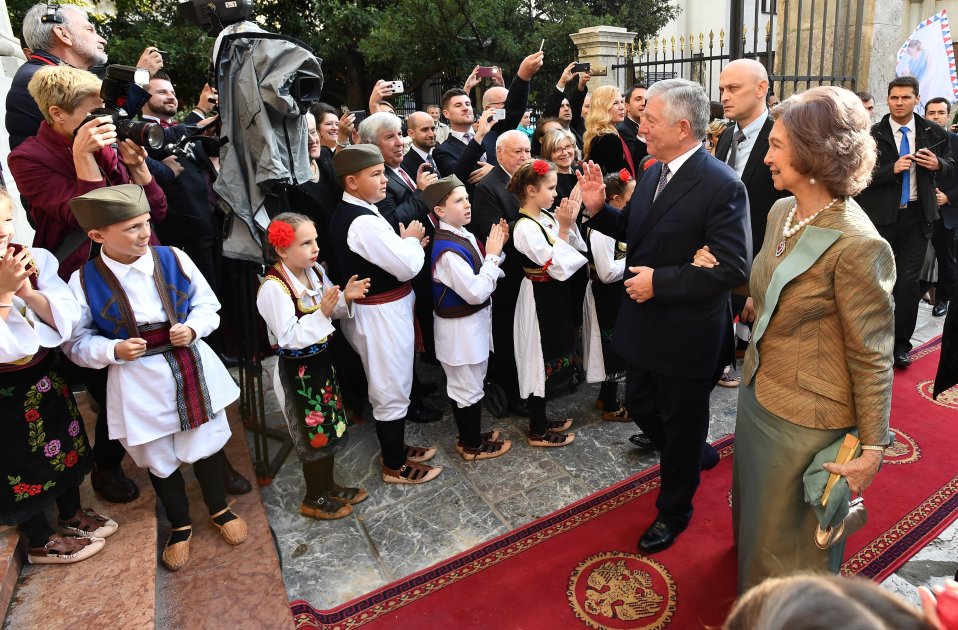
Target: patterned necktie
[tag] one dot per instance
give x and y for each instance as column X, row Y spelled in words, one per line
column 663, row 180
column 905, row 149
column 407, row 179
column 737, row 139
column 466, row 137
column 432, row 162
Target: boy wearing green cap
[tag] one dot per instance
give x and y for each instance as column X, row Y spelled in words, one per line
column 464, row 276
column 145, row 310
column 383, row 328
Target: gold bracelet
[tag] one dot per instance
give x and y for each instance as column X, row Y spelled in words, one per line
column 869, row 447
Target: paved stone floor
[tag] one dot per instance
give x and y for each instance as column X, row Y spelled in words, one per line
column 402, row 529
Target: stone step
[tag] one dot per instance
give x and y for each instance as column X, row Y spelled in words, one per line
column 225, row 586
column 11, row 561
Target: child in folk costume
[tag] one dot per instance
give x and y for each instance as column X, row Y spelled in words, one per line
column 602, row 300
column 298, row 302
column 144, row 311
column 382, row 329
column 550, row 250
column 464, row 277
column 44, row 453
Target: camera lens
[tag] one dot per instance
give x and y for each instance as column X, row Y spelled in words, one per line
column 144, row 133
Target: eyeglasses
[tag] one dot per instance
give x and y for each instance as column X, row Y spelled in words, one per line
column 566, row 149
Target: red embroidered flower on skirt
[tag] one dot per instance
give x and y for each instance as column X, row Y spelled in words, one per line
column 280, row 234
column 541, row 167
column 71, row 459
column 20, row 488
column 314, row 418
column 319, row 440
column 301, row 371
column 32, row 415
column 34, row 489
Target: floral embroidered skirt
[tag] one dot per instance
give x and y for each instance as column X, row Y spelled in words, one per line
column 556, row 311
column 313, row 406
column 44, row 451
column 608, row 299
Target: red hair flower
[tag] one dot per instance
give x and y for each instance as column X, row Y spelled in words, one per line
column 280, row 234
column 625, row 175
column 541, row 167
column 648, row 164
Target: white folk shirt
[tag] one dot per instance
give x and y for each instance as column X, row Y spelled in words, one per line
column 465, row 340
column 276, row 309
column 24, row 333
column 564, row 260
column 609, row 271
column 141, row 394
column 384, row 334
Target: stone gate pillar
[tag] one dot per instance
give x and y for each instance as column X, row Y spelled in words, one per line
column 600, row 46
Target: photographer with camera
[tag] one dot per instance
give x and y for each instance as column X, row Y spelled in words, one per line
column 71, row 155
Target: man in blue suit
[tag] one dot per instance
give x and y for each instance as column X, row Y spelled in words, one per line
column 675, row 325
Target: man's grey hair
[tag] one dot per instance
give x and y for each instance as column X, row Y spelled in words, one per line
column 372, row 126
column 684, row 100
column 39, row 35
column 512, row 134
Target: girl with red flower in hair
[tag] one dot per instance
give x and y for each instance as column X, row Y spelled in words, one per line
column 550, row 250
column 602, row 300
column 298, row 303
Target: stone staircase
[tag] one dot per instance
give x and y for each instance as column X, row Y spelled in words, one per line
column 125, row 585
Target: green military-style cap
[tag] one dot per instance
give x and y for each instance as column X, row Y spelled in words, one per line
column 437, row 191
column 112, row 204
column 355, row 158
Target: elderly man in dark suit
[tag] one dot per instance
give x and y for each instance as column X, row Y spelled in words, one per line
column 943, row 238
column 913, row 154
column 675, row 325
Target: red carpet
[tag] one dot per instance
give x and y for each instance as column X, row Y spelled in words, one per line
column 579, row 566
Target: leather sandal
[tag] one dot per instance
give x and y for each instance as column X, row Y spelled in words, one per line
column 88, row 524
column 420, row 454
column 234, row 532
column 490, row 436
column 349, row 496
column 550, row 438
column 619, row 415
column 559, row 425
column 411, row 472
column 600, row 405
column 325, row 509
column 65, row 550
column 176, row 556
column 487, row 450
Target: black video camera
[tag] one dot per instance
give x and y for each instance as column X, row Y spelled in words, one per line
column 113, row 91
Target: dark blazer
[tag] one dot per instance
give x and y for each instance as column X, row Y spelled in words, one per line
column 881, row 199
column 492, row 201
column 607, row 151
column 685, row 329
column 402, row 205
column 454, row 157
column 757, row 179
column 949, row 186
column 411, row 162
column 554, row 104
column 629, row 131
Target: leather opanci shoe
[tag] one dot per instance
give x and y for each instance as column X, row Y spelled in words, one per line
column 902, row 360
column 113, row 485
column 710, row 457
column 641, row 440
column 940, row 309
column 422, row 414
column 658, row 537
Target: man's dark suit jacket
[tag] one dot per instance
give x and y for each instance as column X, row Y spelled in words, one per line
column 629, row 132
column 401, row 204
column 757, row 179
column 454, row 157
column 881, row 199
column 685, row 329
column 411, row 163
column 949, row 186
column 554, row 104
column 491, row 202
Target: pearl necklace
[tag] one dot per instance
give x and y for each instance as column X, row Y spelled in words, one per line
column 789, row 230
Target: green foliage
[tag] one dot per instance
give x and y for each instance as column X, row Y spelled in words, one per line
column 361, row 41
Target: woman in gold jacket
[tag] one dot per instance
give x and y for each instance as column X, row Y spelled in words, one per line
column 820, row 361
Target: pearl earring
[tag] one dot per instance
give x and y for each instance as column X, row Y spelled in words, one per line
column 812, row 181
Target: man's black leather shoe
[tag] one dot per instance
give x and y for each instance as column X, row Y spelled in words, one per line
column 641, row 440
column 711, row 458
column 234, row 482
column 421, row 414
column 902, row 360
column 520, row 408
column 940, row 309
column 658, row 537
column 112, row 485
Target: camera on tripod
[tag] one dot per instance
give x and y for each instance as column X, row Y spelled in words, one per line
column 114, row 91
